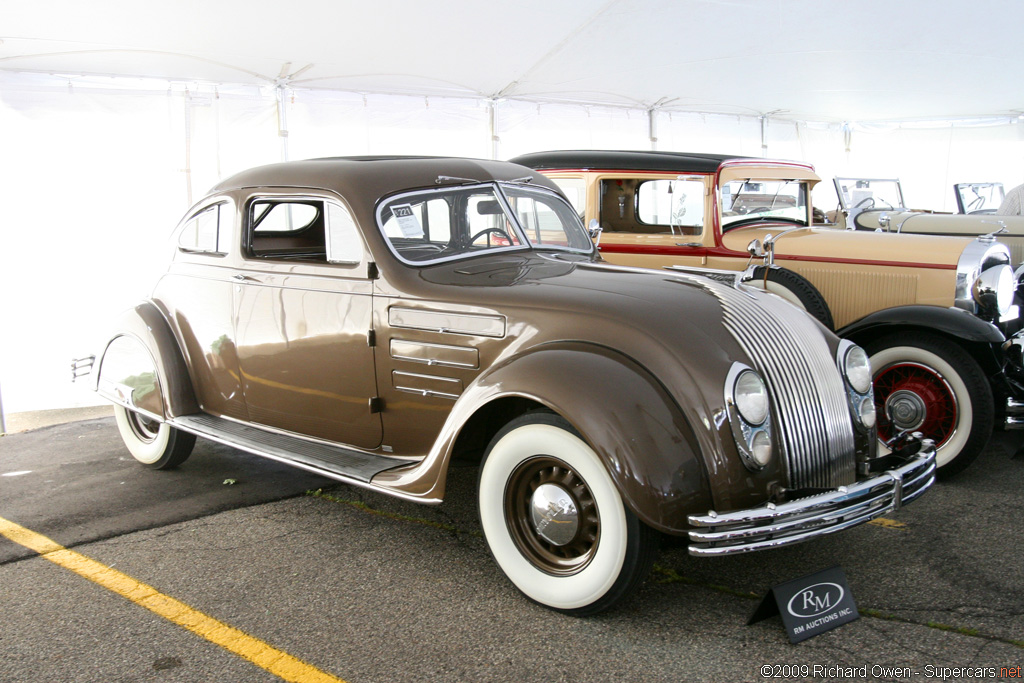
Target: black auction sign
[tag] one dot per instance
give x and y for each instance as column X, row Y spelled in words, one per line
column 810, row 605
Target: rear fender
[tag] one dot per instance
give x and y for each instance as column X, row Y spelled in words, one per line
column 142, row 367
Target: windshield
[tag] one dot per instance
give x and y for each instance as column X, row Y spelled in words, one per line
column 744, row 201
column 429, row 226
column 978, row 197
column 863, row 194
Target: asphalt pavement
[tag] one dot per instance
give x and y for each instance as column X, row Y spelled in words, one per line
column 367, row 588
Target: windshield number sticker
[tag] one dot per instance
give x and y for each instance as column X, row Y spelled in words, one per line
column 407, row 221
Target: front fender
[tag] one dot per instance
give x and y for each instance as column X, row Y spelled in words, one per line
column 949, row 321
column 619, row 409
column 142, row 366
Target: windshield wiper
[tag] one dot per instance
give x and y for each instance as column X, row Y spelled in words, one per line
column 451, row 178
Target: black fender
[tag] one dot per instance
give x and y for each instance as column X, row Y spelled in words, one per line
column 978, row 337
column 954, row 322
column 143, row 343
column 622, row 411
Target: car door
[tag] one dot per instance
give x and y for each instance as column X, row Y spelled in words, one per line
column 304, row 319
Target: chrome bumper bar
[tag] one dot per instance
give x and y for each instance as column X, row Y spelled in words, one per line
column 772, row 526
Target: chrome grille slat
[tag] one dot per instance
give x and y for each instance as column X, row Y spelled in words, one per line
column 816, row 431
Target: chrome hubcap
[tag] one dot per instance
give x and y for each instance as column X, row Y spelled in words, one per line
column 554, row 514
column 906, row 410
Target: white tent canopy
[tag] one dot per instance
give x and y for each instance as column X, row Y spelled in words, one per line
column 810, row 60
column 115, row 116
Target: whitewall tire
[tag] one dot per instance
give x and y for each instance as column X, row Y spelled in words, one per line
column 153, row 443
column 930, row 384
column 554, row 520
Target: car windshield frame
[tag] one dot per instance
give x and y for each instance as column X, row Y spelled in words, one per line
column 500, row 191
column 803, row 194
column 988, row 197
column 853, row 192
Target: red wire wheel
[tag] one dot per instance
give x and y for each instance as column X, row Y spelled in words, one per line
column 918, row 399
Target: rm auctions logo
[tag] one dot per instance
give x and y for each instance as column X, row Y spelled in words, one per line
column 814, row 600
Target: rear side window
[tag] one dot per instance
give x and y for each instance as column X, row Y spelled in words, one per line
column 201, row 233
column 303, row 229
column 677, row 205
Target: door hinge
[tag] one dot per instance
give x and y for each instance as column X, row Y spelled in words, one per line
column 376, row 405
column 371, row 338
column 371, row 271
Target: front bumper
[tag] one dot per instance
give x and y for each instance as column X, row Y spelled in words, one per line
column 772, row 526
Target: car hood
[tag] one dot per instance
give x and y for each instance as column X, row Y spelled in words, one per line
column 838, row 245
column 659, row 318
column 941, row 223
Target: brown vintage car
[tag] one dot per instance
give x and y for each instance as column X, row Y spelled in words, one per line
column 372, row 319
column 936, row 314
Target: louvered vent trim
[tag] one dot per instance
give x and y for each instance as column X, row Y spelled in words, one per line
column 851, row 295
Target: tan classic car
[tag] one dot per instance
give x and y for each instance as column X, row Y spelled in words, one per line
column 371, row 319
column 936, row 315
column 877, row 204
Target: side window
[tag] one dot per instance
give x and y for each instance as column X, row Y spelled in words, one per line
column 289, row 229
column 673, row 206
column 201, row 233
column 343, row 236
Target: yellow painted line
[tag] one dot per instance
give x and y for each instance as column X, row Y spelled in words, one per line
column 231, row 639
column 887, row 523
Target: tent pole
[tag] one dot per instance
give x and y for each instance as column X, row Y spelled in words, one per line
column 652, row 127
column 492, row 119
column 3, row 424
column 282, row 121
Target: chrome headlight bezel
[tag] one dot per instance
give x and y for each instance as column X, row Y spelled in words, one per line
column 753, row 439
column 861, row 401
column 993, row 290
column 987, row 300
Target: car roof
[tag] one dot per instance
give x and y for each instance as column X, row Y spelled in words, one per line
column 625, row 160
column 371, row 177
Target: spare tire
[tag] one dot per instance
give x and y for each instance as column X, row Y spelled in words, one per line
column 795, row 289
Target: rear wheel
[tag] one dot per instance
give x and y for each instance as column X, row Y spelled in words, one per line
column 928, row 384
column 555, row 522
column 153, row 443
column 795, row 289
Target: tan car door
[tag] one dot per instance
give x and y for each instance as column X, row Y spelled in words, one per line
column 303, row 322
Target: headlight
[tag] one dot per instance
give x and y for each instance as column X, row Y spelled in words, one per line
column 857, row 369
column 866, row 411
column 761, row 448
column 751, row 397
column 746, row 400
column 984, row 279
column 993, row 290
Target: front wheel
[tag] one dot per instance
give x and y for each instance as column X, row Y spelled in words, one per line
column 925, row 383
column 555, row 522
column 153, row 443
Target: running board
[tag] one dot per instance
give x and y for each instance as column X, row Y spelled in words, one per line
column 332, row 461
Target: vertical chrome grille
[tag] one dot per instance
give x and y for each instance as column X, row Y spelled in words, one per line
column 807, row 392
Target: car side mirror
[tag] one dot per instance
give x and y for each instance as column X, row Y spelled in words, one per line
column 595, row 230
column 755, row 249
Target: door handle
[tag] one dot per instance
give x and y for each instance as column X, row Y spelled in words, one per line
column 244, row 278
